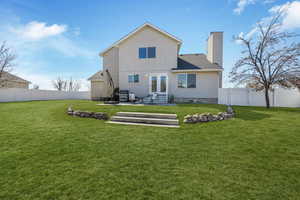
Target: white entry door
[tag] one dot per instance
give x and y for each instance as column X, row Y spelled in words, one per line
column 158, row 83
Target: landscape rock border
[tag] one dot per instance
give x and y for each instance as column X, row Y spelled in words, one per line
column 208, row 117
column 87, row 114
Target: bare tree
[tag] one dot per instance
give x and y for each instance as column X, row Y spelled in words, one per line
column 7, row 58
column 36, row 87
column 114, row 90
column 59, row 84
column 111, row 82
column 73, row 85
column 269, row 59
column 66, row 85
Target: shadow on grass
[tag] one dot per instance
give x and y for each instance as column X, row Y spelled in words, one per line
column 258, row 113
column 284, row 109
column 251, row 115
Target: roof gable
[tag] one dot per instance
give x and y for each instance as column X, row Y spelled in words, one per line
column 10, row 77
column 98, row 76
column 136, row 31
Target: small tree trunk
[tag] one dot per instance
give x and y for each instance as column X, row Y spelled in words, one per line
column 267, row 97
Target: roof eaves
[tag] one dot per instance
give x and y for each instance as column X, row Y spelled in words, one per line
column 93, row 76
column 115, row 44
column 198, row 70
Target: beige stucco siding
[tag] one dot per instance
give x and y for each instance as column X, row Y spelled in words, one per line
column 215, row 48
column 166, row 59
column 98, row 90
column 141, row 89
column 14, row 84
column 207, row 84
column 111, row 62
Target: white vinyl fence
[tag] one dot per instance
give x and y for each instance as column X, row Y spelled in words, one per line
column 249, row 97
column 17, row 94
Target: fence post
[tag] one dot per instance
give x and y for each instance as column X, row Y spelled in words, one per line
column 248, row 96
column 274, row 98
column 229, row 97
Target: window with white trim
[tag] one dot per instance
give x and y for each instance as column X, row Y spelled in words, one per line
column 186, row 80
column 147, row 52
column 133, row 78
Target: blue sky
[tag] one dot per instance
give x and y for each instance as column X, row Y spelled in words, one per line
column 63, row 37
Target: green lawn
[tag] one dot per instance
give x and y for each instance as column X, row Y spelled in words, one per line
column 45, row 154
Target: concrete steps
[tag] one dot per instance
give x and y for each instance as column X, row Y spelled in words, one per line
column 147, row 115
column 141, row 124
column 147, row 119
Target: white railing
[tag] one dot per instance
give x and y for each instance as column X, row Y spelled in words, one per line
column 249, row 97
column 17, row 94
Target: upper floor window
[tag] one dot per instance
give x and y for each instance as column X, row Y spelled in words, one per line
column 147, row 52
column 186, row 80
column 133, row 78
column 142, row 53
column 151, row 52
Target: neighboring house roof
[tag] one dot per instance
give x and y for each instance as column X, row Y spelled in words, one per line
column 195, row 62
column 137, row 30
column 10, row 77
column 98, row 76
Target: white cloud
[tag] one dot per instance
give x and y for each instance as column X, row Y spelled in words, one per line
column 290, row 18
column 247, row 35
column 35, row 36
column 291, row 14
column 68, row 48
column 38, row 30
column 242, row 4
column 34, row 40
column 268, row 1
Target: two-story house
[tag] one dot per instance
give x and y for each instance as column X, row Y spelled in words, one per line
column 147, row 62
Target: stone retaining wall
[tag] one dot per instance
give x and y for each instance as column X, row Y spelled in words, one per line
column 208, row 117
column 87, row 114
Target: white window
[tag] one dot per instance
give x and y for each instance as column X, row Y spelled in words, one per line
column 133, row 78
column 186, row 80
column 147, row 52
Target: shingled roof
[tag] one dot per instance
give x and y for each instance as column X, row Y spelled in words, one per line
column 195, row 62
column 98, row 76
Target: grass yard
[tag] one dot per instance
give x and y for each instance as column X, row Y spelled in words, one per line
column 46, row 154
